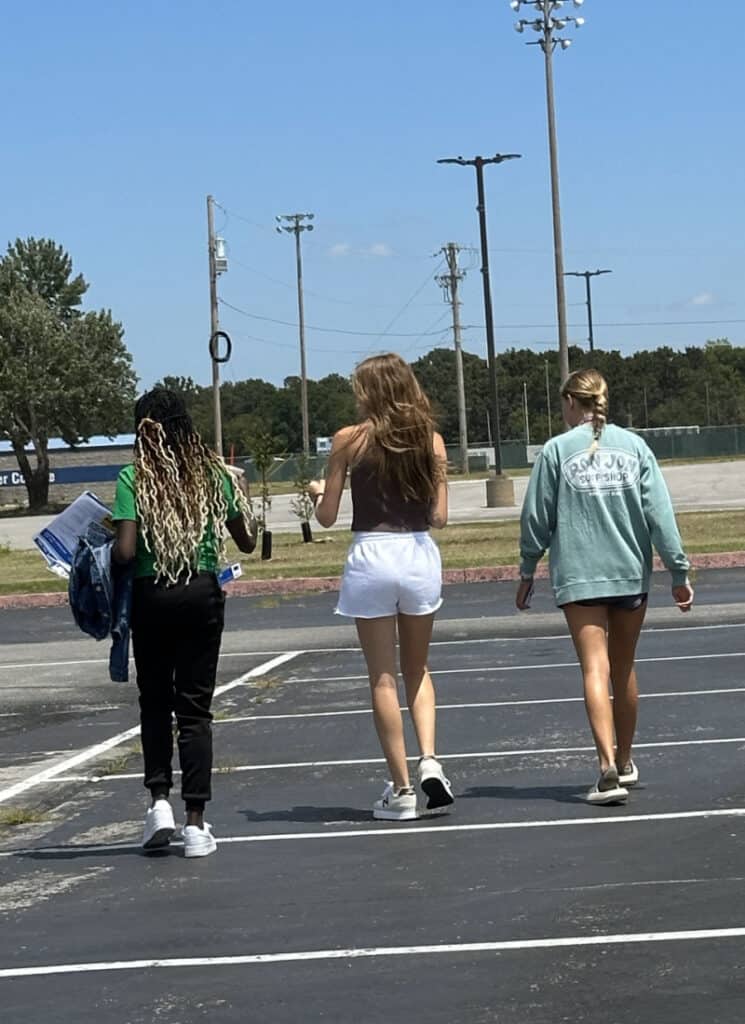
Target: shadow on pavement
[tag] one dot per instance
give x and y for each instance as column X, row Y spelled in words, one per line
column 559, row 794
column 325, row 814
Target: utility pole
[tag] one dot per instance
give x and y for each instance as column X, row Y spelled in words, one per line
column 550, row 19
column 646, row 409
column 525, row 409
column 214, row 322
column 500, row 490
column 292, row 223
column 708, row 405
column 548, row 399
column 587, row 274
column 449, row 284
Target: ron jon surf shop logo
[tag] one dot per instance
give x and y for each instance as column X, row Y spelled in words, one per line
column 608, row 470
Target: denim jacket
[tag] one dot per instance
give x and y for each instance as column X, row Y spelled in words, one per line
column 100, row 595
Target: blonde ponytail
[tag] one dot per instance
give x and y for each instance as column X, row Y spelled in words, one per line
column 589, row 389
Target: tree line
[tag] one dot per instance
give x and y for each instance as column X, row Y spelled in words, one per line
column 66, row 372
column 658, row 388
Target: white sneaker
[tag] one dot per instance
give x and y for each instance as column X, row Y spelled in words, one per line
column 159, row 825
column 607, row 789
column 198, row 842
column 435, row 785
column 396, row 805
column 628, row 774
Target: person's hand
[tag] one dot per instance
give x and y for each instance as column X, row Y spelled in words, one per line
column 316, row 489
column 683, row 596
column 524, row 594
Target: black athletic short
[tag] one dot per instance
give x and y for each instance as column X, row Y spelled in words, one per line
column 629, row 602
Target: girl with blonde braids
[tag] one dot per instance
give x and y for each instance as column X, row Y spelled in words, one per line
column 597, row 502
column 174, row 508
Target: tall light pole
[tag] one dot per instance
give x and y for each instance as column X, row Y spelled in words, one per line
column 218, row 264
column 449, row 284
column 548, row 22
column 292, row 223
column 587, row 274
column 500, row 490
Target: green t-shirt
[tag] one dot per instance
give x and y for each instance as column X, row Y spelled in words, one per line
column 125, row 508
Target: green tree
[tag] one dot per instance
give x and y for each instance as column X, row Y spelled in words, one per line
column 63, row 373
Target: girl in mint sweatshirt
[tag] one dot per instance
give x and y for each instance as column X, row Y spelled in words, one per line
column 597, row 502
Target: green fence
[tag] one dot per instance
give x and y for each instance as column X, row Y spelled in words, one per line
column 665, row 442
column 695, row 442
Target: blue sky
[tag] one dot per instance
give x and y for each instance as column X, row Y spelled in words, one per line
column 120, row 118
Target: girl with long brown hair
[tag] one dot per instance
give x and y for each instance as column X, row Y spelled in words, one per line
column 393, row 576
column 174, row 508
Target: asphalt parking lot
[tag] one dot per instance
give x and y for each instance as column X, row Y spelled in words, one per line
column 524, row 905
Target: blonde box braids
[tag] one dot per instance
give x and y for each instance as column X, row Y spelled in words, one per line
column 180, row 495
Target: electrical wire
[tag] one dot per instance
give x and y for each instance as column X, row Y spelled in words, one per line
column 324, row 330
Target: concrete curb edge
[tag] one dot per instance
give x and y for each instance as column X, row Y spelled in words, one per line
column 325, row 584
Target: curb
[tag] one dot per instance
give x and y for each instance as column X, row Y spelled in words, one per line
column 326, row 584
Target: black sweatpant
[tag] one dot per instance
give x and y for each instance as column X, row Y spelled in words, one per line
column 176, row 632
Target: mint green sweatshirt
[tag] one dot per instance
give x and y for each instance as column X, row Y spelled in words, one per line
column 598, row 516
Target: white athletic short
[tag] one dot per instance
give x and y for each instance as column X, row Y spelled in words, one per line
column 387, row 573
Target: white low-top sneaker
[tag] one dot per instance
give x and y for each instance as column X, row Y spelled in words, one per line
column 198, row 842
column 159, row 825
column 628, row 774
column 435, row 785
column 396, row 804
column 607, row 789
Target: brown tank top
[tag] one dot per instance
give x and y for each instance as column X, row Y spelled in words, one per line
column 374, row 510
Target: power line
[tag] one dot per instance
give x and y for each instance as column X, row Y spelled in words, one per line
column 327, row 330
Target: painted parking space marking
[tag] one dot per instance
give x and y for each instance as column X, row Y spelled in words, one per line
column 235, row 719
column 476, row 755
column 532, row 667
column 454, row 948
column 385, row 832
column 356, row 650
column 56, row 773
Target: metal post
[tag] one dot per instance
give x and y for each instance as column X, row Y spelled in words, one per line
column 489, row 318
column 293, row 223
column 525, row 409
column 449, row 282
column 589, row 313
column 301, row 325
column 214, row 322
column 500, row 491
column 561, row 312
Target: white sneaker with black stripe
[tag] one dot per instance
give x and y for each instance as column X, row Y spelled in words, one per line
column 435, row 785
column 396, row 804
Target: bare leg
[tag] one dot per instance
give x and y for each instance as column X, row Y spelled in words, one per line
column 588, row 628
column 414, row 634
column 623, row 633
column 378, row 640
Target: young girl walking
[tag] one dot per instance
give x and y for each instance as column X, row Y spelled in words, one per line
column 173, row 510
column 597, row 502
column 393, row 576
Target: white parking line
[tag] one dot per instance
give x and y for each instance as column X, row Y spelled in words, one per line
column 507, row 946
column 477, row 755
column 56, row 772
column 535, row 666
column 356, row 650
column 391, row 832
column 234, row 719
